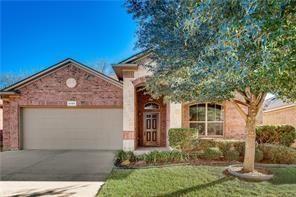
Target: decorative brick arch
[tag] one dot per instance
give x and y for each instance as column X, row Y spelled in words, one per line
column 140, row 80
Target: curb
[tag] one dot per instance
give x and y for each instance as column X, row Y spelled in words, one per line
column 248, row 177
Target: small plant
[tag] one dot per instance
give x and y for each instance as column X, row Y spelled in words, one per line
column 212, row 153
column 258, row 155
column 231, row 155
column 124, row 156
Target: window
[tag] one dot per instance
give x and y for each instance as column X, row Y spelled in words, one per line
column 151, row 106
column 207, row 118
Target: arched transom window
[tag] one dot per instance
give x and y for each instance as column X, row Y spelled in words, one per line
column 151, row 106
column 208, row 118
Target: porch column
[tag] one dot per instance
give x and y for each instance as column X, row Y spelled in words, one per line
column 174, row 117
column 128, row 115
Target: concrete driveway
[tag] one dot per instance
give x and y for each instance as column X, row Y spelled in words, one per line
column 57, row 172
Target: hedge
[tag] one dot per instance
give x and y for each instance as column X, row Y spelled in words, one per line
column 282, row 135
column 278, row 154
column 182, row 138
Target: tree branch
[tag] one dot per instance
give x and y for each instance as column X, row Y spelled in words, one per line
column 240, row 102
column 240, row 110
column 261, row 101
column 244, row 95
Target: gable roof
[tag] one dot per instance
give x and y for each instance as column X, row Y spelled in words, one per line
column 274, row 103
column 135, row 57
column 58, row 66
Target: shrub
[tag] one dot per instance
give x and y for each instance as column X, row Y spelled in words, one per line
column 278, row 153
column 182, row 138
column 231, row 155
column 164, row 157
column 123, row 156
column 224, row 146
column 287, row 135
column 258, row 155
column 266, row 134
column 284, row 134
column 212, row 153
column 240, row 147
column 203, row 144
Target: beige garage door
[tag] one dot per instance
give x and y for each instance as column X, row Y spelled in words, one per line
column 56, row 128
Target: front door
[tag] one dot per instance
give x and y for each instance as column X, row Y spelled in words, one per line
column 151, row 129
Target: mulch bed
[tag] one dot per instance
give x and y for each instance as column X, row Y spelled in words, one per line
column 135, row 165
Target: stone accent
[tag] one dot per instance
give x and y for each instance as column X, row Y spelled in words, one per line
column 51, row 91
column 128, row 74
column 175, row 115
column 140, row 81
column 128, row 145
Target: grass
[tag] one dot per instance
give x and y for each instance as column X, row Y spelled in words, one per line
column 195, row 181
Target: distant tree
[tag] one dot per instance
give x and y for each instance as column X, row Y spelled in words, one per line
column 212, row 50
column 7, row 79
column 103, row 67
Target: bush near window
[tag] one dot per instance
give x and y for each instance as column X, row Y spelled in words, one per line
column 182, row 138
column 278, row 153
column 212, row 153
column 231, row 155
column 224, row 146
column 283, row 135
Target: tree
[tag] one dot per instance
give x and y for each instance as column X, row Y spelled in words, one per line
column 212, row 50
column 8, row 79
column 103, row 67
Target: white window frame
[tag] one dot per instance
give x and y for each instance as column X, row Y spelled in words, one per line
column 152, row 103
column 206, row 119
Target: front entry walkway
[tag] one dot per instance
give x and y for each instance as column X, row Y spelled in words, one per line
column 57, row 172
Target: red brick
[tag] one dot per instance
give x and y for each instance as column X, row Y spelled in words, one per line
column 51, row 91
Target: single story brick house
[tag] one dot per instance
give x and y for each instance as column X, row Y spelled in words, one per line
column 71, row 106
column 278, row 112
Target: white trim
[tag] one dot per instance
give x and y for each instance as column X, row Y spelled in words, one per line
column 279, row 108
column 61, row 65
column 206, row 122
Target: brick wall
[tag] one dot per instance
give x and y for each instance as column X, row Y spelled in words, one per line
column 280, row 116
column 51, row 91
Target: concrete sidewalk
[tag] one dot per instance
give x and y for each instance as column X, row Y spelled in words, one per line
column 49, row 188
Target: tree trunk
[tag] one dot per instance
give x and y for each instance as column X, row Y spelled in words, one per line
column 249, row 160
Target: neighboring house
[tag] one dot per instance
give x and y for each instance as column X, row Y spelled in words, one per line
column 277, row 112
column 71, row 106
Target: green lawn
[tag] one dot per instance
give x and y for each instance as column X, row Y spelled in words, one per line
column 195, row 181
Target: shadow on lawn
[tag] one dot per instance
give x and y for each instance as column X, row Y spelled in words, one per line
column 284, row 176
column 197, row 187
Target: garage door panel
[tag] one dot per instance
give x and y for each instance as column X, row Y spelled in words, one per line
column 54, row 128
